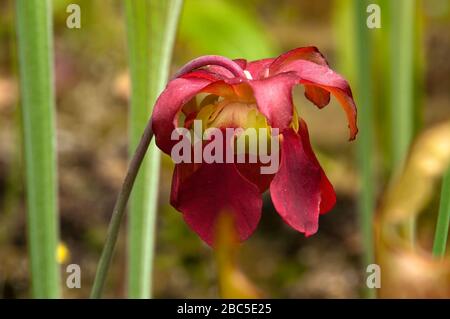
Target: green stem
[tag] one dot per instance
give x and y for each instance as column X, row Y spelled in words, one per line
column 151, row 28
column 119, row 212
column 35, row 48
column 440, row 238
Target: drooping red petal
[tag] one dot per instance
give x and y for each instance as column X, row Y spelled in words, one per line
column 274, row 98
column 319, row 76
column 298, row 188
column 328, row 195
column 213, row 189
column 177, row 93
column 317, row 95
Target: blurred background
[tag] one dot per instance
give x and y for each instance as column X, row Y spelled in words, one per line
column 92, row 94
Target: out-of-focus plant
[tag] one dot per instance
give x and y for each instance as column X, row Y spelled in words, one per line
column 233, row 283
column 231, row 30
column 151, row 27
column 408, row 271
column 35, row 49
column 388, row 90
column 403, row 35
column 355, row 57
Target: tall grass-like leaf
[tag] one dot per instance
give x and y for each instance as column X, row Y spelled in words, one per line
column 151, row 28
column 364, row 96
column 403, row 22
column 441, row 234
column 35, row 48
column 402, row 79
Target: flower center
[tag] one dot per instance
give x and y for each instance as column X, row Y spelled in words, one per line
column 226, row 113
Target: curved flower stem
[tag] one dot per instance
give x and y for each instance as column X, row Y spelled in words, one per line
column 119, row 211
column 228, row 64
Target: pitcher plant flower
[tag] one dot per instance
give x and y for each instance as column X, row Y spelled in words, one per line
column 224, row 93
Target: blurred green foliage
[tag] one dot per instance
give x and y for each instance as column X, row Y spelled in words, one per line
column 224, row 28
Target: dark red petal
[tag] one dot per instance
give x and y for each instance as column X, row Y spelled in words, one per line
column 274, row 98
column 213, row 189
column 180, row 173
column 164, row 118
column 259, row 68
column 312, row 74
column 252, row 172
column 296, row 189
column 317, row 95
column 328, row 195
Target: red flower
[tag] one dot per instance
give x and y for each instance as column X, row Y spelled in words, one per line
column 236, row 93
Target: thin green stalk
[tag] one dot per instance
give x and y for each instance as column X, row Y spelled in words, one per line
column 366, row 138
column 119, row 212
column 382, row 87
column 402, row 88
column 151, row 28
column 402, row 79
column 35, row 48
column 440, row 237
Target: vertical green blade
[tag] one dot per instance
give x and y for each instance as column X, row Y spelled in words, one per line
column 403, row 34
column 35, row 48
column 402, row 77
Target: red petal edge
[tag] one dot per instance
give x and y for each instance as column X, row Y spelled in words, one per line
column 299, row 187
